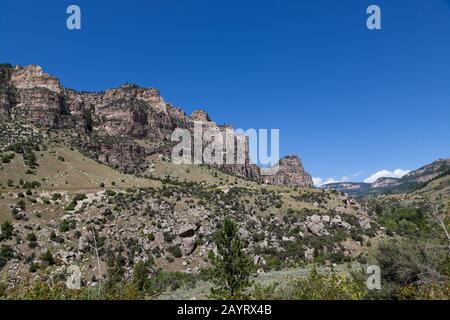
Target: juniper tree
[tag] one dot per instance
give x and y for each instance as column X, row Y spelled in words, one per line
column 232, row 268
column 7, row 230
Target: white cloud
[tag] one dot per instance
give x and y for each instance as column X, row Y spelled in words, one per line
column 398, row 173
column 318, row 181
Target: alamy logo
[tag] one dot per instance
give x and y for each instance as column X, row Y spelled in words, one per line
column 73, row 277
column 216, row 146
column 73, row 22
column 374, row 280
column 374, row 20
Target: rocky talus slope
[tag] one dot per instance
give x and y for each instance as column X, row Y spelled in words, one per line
column 83, row 174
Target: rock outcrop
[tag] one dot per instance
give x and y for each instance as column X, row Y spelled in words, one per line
column 290, row 173
column 106, row 125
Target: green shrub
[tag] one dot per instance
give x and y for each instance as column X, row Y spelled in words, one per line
column 31, row 237
column 32, row 268
column 175, row 251
column 48, row 257
column 31, row 185
column 71, row 206
column 56, row 238
column 315, row 286
column 404, row 220
column 164, row 280
column 168, row 237
column 56, row 196
column 3, row 288
column 6, row 158
column 80, row 197
column 6, row 253
column 110, row 193
column 412, row 262
column 67, row 225
column 7, row 230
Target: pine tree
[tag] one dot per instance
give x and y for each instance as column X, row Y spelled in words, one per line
column 232, row 268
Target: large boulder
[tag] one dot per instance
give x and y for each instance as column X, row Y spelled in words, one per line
column 316, row 226
column 188, row 245
column 186, row 231
column 309, row 254
column 85, row 240
column 337, row 222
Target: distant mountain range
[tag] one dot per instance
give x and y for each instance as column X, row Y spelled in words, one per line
column 412, row 181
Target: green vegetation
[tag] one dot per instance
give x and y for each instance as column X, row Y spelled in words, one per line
column 231, row 267
column 168, row 237
column 7, row 230
column 78, row 197
column 132, row 225
column 175, row 251
column 31, row 237
column 110, row 193
column 56, row 238
column 412, row 266
column 403, row 220
column 48, row 258
column 67, row 225
column 6, row 158
column 315, row 286
column 56, row 196
column 6, row 253
column 31, row 185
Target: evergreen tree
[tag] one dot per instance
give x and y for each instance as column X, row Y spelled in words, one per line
column 7, row 230
column 232, row 268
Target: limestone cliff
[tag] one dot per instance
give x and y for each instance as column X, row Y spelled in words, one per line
column 108, row 125
column 291, row 173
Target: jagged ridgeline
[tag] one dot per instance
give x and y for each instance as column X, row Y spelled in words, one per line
column 120, row 127
column 413, row 181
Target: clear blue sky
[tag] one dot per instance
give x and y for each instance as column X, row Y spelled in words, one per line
column 346, row 99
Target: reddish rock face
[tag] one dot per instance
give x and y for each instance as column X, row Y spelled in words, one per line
column 290, row 173
column 200, row 115
column 116, row 118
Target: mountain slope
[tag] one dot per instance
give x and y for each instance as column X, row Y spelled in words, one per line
column 120, row 127
column 87, row 173
column 414, row 180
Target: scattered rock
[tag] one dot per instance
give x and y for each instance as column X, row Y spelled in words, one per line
column 188, row 245
column 186, row 231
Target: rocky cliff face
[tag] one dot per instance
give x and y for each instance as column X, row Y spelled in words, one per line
column 291, row 173
column 6, row 92
column 247, row 170
column 107, row 125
